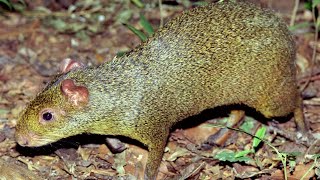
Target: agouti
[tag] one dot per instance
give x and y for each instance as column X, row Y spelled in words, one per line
column 222, row 54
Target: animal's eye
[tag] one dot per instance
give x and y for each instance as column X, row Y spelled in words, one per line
column 47, row 116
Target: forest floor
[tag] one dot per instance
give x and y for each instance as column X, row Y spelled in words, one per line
column 34, row 39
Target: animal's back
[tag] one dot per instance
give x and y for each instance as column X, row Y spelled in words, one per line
column 218, row 55
column 221, row 54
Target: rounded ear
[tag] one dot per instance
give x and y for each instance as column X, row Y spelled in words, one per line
column 77, row 95
column 69, row 64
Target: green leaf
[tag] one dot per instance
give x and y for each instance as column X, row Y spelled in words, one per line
column 75, row 27
column 315, row 156
column 124, row 16
column 82, row 34
column 300, row 26
column 260, row 134
column 3, row 111
column 7, row 3
column 18, row 7
column 247, row 125
column 294, row 154
column 146, row 25
column 292, row 165
column 23, row 3
column 58, row 24
column 138, row 3
column 121, row 53
column 308, row 5
column 242, row 153
column 315, row 3
column 137, row 32
column 231, row 157
column 94, row 28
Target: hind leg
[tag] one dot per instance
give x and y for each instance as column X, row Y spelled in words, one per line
column 278, row 107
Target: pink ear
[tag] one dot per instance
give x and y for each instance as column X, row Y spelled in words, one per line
column 69, row 64
column 75, row 94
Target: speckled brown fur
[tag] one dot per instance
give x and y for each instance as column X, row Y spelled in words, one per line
column 222, row 54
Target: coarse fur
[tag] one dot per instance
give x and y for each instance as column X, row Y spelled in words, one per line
column 224, row 53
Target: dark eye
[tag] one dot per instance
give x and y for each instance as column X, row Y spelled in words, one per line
column 47, row 116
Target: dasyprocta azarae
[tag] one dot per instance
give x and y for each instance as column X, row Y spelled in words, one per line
column 222, row 54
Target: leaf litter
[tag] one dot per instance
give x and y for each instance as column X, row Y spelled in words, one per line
column 34, row 42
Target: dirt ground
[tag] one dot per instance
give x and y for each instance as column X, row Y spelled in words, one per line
column 36, row 37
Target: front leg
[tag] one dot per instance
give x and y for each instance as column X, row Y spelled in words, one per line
column 156, row 149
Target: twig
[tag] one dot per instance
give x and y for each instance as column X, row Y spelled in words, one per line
column 161, row 13
column 313, row 78
column 292, row 136
column 294, row 12
column 314, row 51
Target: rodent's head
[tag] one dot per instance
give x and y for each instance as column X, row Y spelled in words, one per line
column 51, row 115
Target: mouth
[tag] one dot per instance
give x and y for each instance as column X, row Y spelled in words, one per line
column 31, row 140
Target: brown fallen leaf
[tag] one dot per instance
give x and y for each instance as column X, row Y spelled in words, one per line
column 10, row 170
column 85, row 154
column 297, row 174
column 136, row 161
column 191, row 170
